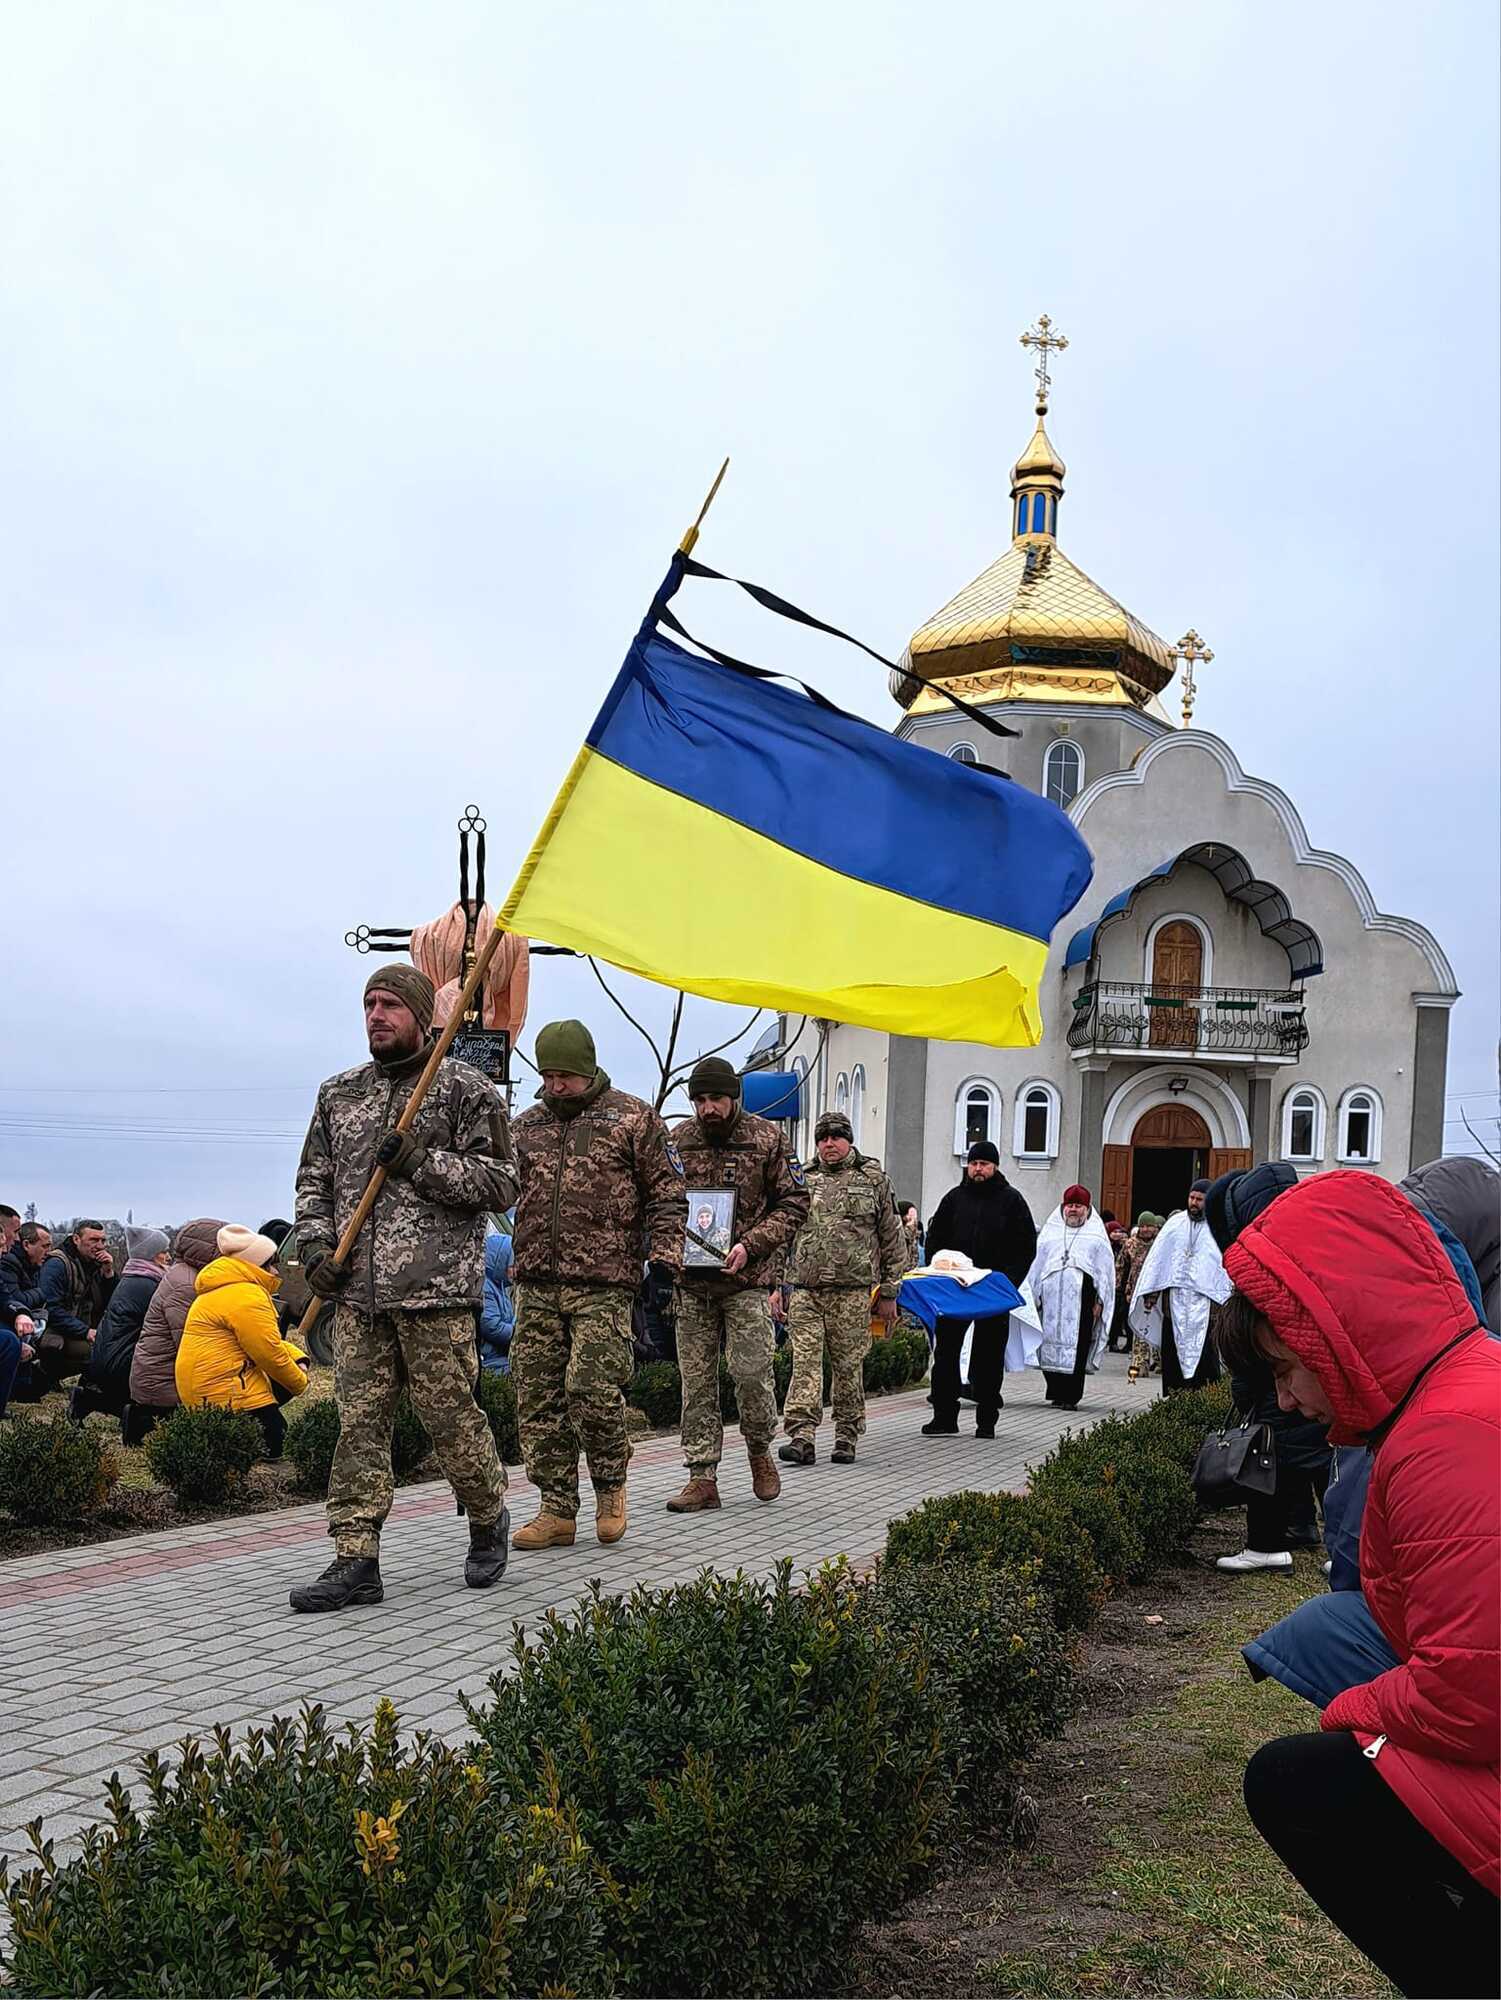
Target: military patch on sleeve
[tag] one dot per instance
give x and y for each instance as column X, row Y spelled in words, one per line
column 676, row 1159
column 796, row 1167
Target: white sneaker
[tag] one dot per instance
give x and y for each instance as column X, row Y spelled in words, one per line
column 1254, row 1559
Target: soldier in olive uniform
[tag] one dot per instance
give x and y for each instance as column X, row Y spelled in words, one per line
column 407, row 1295
column 724, row 1146
column 851, row 1241
column 601, row 1188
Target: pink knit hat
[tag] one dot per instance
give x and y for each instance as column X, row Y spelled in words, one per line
column 235, row 1240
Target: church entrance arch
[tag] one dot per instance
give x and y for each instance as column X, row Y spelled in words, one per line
column 1170, row 1146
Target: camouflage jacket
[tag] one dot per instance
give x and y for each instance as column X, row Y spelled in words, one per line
column 853, row 1235
column 424, row 1244
column 771, row 1195
column 601, row 1192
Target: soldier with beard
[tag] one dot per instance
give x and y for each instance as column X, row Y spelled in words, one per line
column 406, row 1297
column 724, row 1146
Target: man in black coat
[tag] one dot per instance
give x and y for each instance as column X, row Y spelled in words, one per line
column 987, row 1219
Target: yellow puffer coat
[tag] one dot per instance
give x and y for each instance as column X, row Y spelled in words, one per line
column 231, row 1349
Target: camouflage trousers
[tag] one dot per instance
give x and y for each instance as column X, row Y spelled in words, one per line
column 839, row 1319
column 432, row 1353
column 571, row 1358
column 741, row 1323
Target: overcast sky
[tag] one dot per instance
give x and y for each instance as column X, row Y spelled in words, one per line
column 361, row 364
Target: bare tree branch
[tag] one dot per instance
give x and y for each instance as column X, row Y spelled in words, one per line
column 664, row 1085
column 1495, row 1161
column 719, row 1049
column 620, row 1004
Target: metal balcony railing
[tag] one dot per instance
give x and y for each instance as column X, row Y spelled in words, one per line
column 1125, row 1015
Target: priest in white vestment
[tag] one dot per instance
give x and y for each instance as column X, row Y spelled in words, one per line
column 1182, row 1280
column 1072, row 1281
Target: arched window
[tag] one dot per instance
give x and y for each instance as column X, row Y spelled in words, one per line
column 842, row 1094
column 857, row 1101
column 964, row 753
column 1303, row 1125
column 1359, row 1128
column 1039, row 513
column 1021, row 515
column 1062, row 772
column 1034, row 1132
column 977, row 1114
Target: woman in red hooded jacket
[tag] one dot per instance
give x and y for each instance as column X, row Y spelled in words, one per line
column 1390, row 1816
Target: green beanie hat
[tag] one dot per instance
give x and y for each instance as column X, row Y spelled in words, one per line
column 412, row 988
column 567, row 1046
column 713, row 1077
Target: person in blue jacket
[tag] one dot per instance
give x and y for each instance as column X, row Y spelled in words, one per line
column 497, row 1316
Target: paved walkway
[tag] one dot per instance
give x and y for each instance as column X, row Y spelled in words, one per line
column 125, row 1647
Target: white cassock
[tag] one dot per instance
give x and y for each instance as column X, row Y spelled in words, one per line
column 1065, row 1257
column 1184, row 1261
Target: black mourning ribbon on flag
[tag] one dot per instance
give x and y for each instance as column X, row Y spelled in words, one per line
column 769, row 601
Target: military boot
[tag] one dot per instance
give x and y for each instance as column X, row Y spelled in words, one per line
column 488, row 1553
column 609, row 1514
column 766, row 1481
column 548, row 1531
column 347, row 1580
column 843, row 1452
column 697, row 1497
column 798, row 1451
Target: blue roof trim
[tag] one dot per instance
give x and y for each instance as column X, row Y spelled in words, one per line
column 1305, row 953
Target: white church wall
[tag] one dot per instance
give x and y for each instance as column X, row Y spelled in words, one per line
column 1361, row 1009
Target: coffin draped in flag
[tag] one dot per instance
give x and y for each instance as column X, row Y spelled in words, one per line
column 733, row 837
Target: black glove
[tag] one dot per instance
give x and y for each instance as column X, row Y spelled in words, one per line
column 400, row 1153
column 325, row 1278
column 662, row 1274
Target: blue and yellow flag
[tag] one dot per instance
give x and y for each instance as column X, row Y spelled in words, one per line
column 732, row 837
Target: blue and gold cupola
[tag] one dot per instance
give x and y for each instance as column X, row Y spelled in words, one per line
column 1036, row 487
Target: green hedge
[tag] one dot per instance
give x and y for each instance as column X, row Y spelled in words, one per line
column 203, row 1453
column 313, row 1433
column 705, row 1789
column 53, row 1473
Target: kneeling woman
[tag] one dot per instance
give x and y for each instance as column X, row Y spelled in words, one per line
column 1073, row 1288
column 1391, row 1816
column 232, row 1352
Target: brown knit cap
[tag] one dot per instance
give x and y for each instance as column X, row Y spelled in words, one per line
column 412, row 988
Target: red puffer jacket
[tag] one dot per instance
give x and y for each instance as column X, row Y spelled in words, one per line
column 1356, row 1284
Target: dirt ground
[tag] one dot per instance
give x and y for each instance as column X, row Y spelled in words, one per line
column 1144, row 1876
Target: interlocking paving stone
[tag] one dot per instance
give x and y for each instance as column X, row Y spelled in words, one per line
column 157, row 1636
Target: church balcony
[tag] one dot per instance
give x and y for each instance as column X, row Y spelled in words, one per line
column 1219, row 1023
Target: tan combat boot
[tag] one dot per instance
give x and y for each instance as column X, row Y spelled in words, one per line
column 548, row 1531
column 766, row 1481
column 696, row 1497
column 609, row 1514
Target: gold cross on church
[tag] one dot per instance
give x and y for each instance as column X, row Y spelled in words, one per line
column 1047, row 341
column 1192, row 651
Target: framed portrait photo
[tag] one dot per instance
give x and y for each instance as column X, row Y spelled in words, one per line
column 711, row 1228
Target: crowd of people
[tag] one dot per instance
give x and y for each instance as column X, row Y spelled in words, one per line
column 1357, row 1320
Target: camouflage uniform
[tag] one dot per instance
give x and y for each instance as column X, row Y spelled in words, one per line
column 715, row 1309
column 851, row 1241
column 417, row 1274
column 601, row 1191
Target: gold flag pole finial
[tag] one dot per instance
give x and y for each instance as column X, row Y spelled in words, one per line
column 1047, row 340
column 1192, row 651
column 686, row 545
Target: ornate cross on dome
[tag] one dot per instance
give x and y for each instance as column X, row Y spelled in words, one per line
column 1047, row 340
column 1192, row 651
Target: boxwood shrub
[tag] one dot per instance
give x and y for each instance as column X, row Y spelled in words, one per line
column 304, row 1862
column 758, row 1764
column 991, row 1530
column 53, row 1473
column 203, row 1452
column 313, row 1436
column 657, row 1392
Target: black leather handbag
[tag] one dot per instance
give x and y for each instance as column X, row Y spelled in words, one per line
column 1236, row 1464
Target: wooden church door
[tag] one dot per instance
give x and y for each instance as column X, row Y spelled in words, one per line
column 1177, row 975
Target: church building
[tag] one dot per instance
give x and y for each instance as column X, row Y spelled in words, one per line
column 1225, row 993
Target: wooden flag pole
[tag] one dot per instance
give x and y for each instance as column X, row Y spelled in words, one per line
column 404, row 1123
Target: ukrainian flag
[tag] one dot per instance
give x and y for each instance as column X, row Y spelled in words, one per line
column 732, row 837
